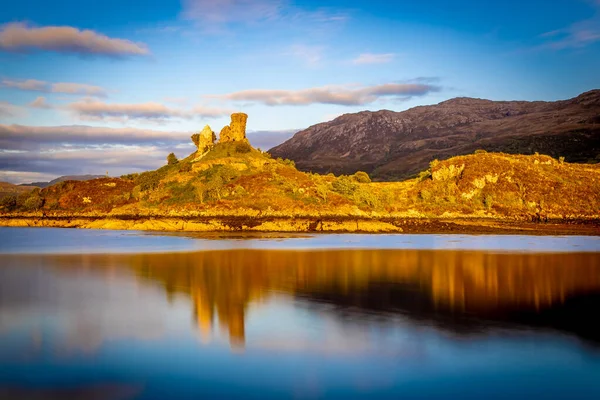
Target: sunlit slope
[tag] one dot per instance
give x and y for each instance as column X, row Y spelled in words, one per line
column 234, row 179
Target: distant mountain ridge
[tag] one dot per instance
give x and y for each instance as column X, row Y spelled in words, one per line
column 396, row 145
column 9, row 189
column 62, row 179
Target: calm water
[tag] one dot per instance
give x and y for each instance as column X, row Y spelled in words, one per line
column 104, row 315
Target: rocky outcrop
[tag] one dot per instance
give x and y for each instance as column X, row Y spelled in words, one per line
column 236, row 130
column 204, row 140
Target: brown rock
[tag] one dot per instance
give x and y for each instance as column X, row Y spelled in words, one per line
column 205, row 140
column 236, row 130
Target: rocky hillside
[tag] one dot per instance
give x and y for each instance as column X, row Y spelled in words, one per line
column 395, row 145
column 8, row 189
column 229, row 179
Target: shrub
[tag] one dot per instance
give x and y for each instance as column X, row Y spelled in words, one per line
column 286, row 162
column 150, row 180
column 21, row 199
column 8, row 203
column 365, row 197
column 480, row 151
column 226, row 173
column 239, row 191
column 243, row 147
column 423, row 175
column 185, row 167
column 212, row 189
column 33, row 203
column 362, row 177
column 322, row 190
column 344, row 185
column 172, row 159
column 182, row 193
column 130, row 176
column 135, row 192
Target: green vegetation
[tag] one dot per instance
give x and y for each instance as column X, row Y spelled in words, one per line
column 8, row 203
column 235, row 179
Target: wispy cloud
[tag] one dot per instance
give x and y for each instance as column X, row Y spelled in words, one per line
column 66, row 39
column 225, row 11
column 25, row 176
column 371, row 58
column 577, row 35
column 71, row 160
column 40, row 102
column 60, row 87
column 33, row 138
column 340, row 95
column 215, row 15
column 29, row 84
column 9, row 110
column 309, row 55
column 20, row 137
column 92, row 109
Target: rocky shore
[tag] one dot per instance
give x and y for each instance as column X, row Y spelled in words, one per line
column 328, row 224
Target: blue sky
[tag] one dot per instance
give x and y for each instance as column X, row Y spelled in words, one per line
column 87, row 79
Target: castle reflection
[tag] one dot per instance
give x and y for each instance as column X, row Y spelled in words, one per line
column 531, row 289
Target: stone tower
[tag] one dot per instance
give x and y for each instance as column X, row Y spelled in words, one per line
column 236, row 130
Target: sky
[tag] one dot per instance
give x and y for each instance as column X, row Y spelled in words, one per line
column 96, row 87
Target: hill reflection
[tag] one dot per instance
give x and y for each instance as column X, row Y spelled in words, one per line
column 454, row 289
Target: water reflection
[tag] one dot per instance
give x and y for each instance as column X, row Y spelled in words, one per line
column 462, row 292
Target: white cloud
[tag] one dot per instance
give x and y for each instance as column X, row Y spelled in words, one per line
column 40, row 102
column 370, row 58
column 92, row 109
column 29, row 84
column 340, row 95
column 25, row 176
column 66, row 39
column 78, row 88
column 35, row 85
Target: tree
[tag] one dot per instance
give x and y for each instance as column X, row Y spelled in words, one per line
column 172, row 159
column 33, row 203
column 8, row 203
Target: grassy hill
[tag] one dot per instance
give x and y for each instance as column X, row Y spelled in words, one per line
column 234, row 179
column 8, row 189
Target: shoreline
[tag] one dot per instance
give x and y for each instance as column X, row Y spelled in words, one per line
column 585, row 227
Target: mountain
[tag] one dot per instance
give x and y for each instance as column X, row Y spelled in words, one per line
column 62, row 179
column 395, row 145
column 8, row 189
